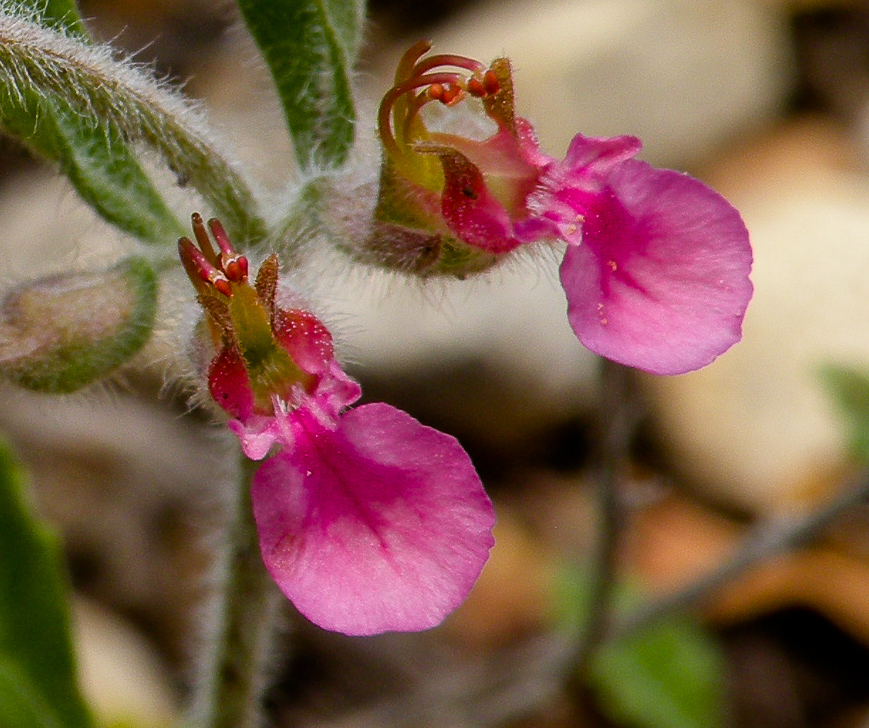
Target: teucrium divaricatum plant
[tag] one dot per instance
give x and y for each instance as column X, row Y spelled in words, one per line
column 367, row 520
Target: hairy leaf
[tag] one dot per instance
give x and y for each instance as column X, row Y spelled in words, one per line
column 310, row 47
column 93, row 156
column 56, row 14
column 107, row 91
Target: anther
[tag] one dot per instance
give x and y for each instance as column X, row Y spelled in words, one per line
column 452, row 95
column 475, row 87
column 195, row 263
column 491, row 82
column 235, row 266
column 435, row 91
column 221, row 284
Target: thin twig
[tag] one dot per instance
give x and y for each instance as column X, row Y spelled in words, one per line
column 520, row 679
column 769, row 538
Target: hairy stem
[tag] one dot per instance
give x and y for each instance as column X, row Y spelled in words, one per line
column 230, row 693
column 99, row 87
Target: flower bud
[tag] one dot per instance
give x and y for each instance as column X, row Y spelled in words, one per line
column 61, row 333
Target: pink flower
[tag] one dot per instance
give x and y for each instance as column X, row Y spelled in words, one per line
column 656, row 264
column 656, row 267
column 368, row 521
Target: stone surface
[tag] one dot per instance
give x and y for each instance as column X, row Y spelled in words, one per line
column 122, row 677
column 756, row 427
column 684, row 76
column 512, row 321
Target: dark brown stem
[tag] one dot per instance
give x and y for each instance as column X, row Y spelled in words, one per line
column 768, row 539
column 620, row 413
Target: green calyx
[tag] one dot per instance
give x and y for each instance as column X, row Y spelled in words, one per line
column 269, row 367
column 62, row 333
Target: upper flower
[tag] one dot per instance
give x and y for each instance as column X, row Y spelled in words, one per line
column 456, row 200
column 657, row 264
column 367, row 520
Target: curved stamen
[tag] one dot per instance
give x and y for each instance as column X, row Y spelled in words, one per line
column 414, row 104
column 195, row 263
column 233, row 264
column 384, row 126
column 405, row 67
column 426, row 64
column 203, row 265
column 202, row 238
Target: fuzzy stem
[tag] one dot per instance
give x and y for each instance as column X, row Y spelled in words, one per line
column 104, row 90
column 230, row 693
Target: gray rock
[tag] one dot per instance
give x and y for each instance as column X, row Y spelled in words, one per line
column 756, row 426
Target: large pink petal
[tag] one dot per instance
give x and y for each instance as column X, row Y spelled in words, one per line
column 660, row 279
column 379, row 525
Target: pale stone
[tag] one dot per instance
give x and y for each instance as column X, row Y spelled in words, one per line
column 757, row 427
column 512, row 320
column 683, row 75
column 122, row 678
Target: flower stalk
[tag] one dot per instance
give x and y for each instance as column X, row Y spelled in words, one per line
column 233, row 679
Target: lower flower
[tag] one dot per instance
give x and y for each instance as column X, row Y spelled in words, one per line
column 368, row 521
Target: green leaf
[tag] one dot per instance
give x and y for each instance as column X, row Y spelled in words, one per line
column 22, row 705
column 849, row 389
column 310, row 47
column 37, row 672
column 94, row 157
column 667, row 676
column 670, row 675
column 106, row 174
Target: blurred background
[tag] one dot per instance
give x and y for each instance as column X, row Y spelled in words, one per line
column 765, row 100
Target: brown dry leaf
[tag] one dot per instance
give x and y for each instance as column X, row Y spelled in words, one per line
column 512, row 597
column 676, row 542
